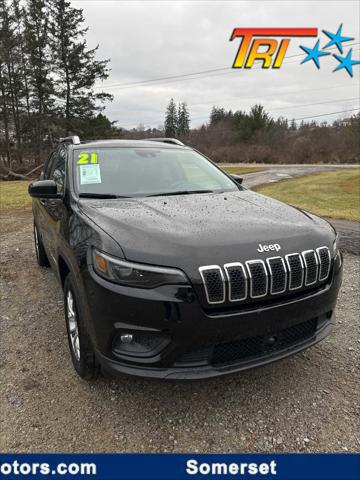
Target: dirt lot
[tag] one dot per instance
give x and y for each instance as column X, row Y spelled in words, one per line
column 309, row 402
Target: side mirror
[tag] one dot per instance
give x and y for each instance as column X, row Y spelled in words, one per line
column 237, row 179
column 44, row 189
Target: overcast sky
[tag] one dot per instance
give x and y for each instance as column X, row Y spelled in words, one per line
column 147, row 40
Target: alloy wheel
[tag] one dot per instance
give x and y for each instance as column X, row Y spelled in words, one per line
column 73, row 325
column 36, row 238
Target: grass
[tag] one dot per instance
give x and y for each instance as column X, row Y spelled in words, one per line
column 330, row 194
column 242, row 170
column 14, row 195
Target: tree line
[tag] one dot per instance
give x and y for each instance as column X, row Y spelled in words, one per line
column 256, row 137
column 47, row 78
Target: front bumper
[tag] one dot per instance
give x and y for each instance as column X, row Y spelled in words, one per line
column 175, row 312
column 202, row 372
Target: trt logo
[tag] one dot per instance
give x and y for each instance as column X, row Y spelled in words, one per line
column 269, row 50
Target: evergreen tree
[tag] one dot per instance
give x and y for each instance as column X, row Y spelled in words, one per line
column 183, row 120
column 41, row 85
column 6, row 40
column 23, row 58
column 171, row 120
column 259, row 118
column 77, row 70
column 217, row 115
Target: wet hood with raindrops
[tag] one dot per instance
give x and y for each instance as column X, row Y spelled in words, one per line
column 187, row 231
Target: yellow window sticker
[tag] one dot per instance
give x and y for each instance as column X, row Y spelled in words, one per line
column 90, row 174
column 86, row 158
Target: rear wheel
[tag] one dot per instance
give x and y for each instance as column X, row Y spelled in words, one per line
column 41, row 256
column 81, row 350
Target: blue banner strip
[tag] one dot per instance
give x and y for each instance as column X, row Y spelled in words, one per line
column 181, row 466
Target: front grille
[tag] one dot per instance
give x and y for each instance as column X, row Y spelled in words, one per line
column 194, row 357
column 257, row 278
column 311, row 267
column 296, row 268
column 247, row 348
column 325, row 262
column 236, row 277
column 278, row 275
column 262, row 345
column 213, row 278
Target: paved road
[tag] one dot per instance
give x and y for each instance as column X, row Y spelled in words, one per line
column 349, row 231
column 349, row 235
column 274, row 173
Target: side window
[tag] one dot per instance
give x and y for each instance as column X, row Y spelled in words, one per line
column 57, row 172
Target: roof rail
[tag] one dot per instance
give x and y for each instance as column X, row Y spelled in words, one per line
column 75, row 140
column 173, row 141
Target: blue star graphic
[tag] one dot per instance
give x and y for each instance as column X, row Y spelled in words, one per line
column 346, row 62
column 336, row 39
column 313, row 54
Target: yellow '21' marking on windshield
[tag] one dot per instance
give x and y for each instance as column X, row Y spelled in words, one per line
column 85, row 158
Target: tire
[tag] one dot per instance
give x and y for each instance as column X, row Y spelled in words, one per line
column 41, row 256
column 81, row 350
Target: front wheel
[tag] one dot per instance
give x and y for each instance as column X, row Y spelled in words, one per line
column 81, row 350
column 41, row 256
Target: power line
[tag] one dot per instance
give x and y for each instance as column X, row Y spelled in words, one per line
column 298, row 106
column 123, row 86
column 290, row 92
column 326, row 114
column 229, row 72
column 318, row 103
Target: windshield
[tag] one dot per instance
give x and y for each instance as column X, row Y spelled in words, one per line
column 146, row 171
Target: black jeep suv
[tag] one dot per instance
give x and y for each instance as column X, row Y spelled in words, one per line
column 171, row 269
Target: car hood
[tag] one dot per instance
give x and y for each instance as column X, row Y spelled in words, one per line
column 187, row 231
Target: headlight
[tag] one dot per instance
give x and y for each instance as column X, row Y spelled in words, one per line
column 135, row 274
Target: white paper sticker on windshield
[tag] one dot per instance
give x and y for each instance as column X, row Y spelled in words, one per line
column 90, row 174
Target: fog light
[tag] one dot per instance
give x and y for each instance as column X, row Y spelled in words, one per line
column 126, row 338
column 139, row 344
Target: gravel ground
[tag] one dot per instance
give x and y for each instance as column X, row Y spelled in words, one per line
column 308, row 403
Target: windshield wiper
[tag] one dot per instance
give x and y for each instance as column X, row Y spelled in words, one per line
column 101, row 195
column 180, row 192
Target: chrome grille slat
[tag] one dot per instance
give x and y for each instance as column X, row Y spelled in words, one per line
column 324, row 262
column 214, row 282
column 311, row 264
column 295, row 266
column 237, row 279
column 278, row 275
column 258, row 278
